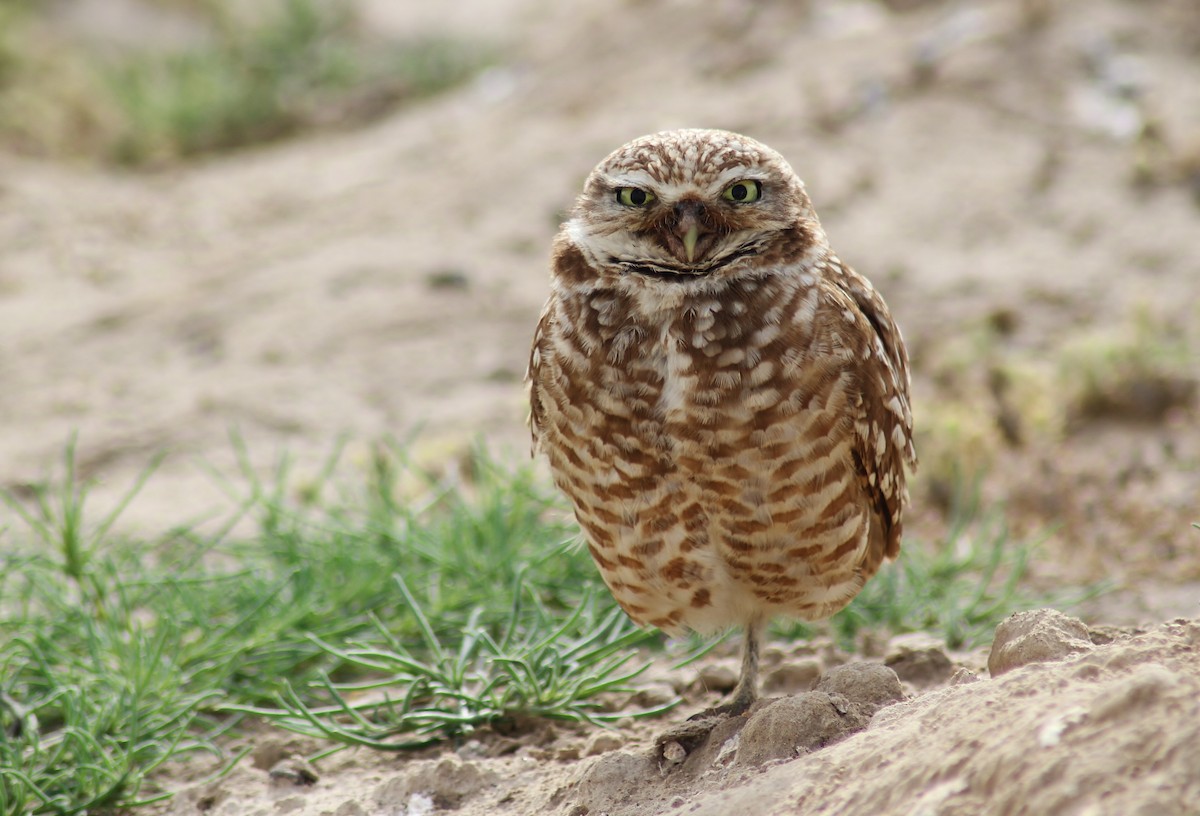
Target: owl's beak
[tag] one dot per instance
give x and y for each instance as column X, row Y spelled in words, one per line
column 689, row 241
column 689, row 218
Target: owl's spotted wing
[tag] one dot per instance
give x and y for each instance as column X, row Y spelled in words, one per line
column 537, row 413
column 883, row 426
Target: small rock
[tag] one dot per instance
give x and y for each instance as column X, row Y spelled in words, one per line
column 795, row 725
column 1036, row 637
column 474, row 749
column 869, row 686
column 720, row 677
column 962, row 676
column 793, row 676
column 568, row 753
column 602, row 742
column 295, row 771
column 771, row 656
column 673, row 753
column 918, row 659
column 655, row 695
column 419, row 804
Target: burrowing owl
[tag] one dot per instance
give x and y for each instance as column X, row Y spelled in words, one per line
column 723, row 400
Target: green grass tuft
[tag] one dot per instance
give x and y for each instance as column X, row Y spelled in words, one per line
column 1139, row 370
column 539, row 666
column 251, row 74
column 305, row 65
column 468, row 598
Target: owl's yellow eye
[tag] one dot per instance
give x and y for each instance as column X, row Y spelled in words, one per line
column 634, row 196
column 743, row 192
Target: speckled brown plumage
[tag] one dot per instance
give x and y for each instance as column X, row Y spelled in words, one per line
column 723, row 400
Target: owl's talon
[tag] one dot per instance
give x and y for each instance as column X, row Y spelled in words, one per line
column 734, row 709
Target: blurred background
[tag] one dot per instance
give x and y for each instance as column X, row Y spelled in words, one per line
column 305, row 220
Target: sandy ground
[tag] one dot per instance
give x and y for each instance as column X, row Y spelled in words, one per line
column 1062, row 719
column 1017, row 177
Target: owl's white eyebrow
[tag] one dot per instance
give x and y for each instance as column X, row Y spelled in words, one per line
column 739, row 174
column 669, row 191
column 631, row 180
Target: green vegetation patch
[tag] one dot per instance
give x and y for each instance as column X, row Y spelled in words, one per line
column 462, row 603
column 247, row 79
column 1141, row 371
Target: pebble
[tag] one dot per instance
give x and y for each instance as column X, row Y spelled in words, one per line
column 1036, row 636
column 602, row 742
column 655, row 695
column 919, row 659
column 870, row 686
column 796, row 675
column 673, row 753
column 718, row 676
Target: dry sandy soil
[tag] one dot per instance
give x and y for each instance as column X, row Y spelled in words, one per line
column 1020, row 179
column 1070, row 721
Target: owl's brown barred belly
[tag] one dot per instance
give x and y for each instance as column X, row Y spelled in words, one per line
column 715, row 483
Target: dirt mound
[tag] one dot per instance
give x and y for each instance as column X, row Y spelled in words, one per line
column 1113, row 730
column 1083, row 728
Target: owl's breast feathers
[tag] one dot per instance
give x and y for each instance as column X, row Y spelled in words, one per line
column 774, row 407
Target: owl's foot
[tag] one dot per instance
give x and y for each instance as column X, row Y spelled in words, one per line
column 674, row 745
column 736, row 707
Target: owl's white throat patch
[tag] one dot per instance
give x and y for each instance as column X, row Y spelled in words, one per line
column 681, row 274
column 662, row 273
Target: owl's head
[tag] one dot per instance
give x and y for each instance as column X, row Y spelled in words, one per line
column 682, row 205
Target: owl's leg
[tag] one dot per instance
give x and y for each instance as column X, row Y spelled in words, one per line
column 676, row 742
column 746, row 691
